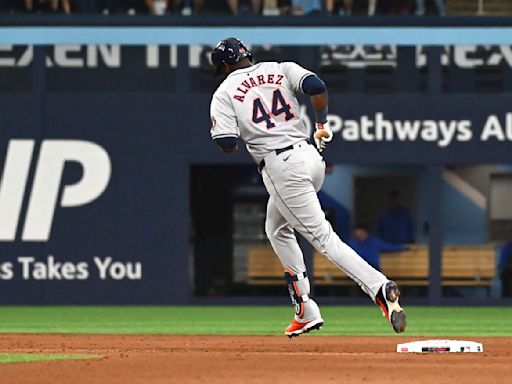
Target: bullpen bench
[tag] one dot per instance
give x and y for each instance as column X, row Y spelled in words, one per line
column 263, row 267
column 462, row 266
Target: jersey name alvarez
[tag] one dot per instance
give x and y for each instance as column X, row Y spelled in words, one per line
column 256, row 81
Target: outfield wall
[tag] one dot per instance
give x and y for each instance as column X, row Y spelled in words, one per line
column 96, row 165
column 142, row 217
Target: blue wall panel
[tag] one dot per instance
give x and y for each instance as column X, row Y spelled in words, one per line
column 152, row 139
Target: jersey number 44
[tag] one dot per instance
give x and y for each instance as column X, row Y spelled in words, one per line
column 279, row 106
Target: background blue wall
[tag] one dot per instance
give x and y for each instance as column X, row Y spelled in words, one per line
column 154, row 131
column 464, row 222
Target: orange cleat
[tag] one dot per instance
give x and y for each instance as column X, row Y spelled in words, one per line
column 387, row 299
column 297, row 328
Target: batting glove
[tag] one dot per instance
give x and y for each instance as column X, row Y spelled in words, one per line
column 322, row 136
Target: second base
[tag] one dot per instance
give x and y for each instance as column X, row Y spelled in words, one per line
column 439, row 346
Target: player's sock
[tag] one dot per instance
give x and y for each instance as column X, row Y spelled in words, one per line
column 306, row 309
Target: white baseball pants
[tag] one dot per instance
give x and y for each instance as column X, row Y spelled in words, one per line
column 292, row 179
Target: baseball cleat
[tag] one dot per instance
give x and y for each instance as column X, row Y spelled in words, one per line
column 297, row 328
column 387, row 299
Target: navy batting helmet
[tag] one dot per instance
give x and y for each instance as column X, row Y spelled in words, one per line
column 229, row 51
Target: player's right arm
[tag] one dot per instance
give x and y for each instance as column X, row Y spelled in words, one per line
column 224, row 129
column 310, row 84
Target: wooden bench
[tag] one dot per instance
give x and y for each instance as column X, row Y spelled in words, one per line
column 464, row 265
column 263, row 267
column 468, row 265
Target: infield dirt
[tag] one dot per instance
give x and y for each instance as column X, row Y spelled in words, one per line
column 250, row 359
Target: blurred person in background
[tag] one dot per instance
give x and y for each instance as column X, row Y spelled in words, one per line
column 48, row 6
column 396, row 7
column 83, row 6
column 505, row 269
column 285, row 7
column 369, row 246
column 395, row 223
column 157, row 7
column 420, row 7
column 185, row 7
column 235, row 8
column 345, row 10
column 348, row 5
column 130, row 7
column 306, row 7
column 106, row 6
column 13, row 6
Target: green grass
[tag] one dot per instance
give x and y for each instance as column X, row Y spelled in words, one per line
column 31, row 357
column 364, row 320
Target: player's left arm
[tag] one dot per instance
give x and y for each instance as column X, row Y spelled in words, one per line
column 224, row 129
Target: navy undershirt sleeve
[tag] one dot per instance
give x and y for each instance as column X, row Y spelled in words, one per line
column 313, row 85
column 226, row 142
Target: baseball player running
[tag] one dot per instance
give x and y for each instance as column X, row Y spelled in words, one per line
column 258, row 104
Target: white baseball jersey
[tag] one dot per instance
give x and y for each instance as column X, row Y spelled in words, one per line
column 258, row 104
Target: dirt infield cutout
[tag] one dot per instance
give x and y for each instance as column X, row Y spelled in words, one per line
column 248, row 359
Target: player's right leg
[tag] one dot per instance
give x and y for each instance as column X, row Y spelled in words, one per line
column 282, row 237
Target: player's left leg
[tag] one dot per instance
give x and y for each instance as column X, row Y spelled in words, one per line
column 282, row 237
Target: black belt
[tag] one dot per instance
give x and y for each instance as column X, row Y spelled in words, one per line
column 261, row 165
